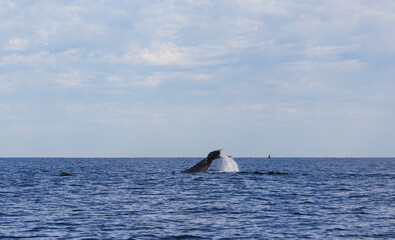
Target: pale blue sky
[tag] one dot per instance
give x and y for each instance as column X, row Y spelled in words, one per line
column 182, row 78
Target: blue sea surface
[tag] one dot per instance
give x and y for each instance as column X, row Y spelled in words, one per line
column 142, row 198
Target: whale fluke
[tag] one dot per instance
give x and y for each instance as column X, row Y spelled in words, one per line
column 204, row 164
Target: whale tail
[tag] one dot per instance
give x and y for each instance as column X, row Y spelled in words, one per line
column 204, row 164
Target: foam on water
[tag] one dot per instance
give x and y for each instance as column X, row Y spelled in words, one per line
column 228, row 164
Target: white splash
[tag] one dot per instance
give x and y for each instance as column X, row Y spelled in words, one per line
column 228, row 164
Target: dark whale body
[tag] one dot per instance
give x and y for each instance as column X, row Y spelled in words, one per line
column 203, row 165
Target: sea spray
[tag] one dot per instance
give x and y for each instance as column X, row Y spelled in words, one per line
column 228, row 164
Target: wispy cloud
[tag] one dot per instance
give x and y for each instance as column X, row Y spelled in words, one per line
column 72, row 78
column 256, row 107
column 16, row 44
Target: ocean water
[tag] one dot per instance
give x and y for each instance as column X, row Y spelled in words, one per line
column 141, row 198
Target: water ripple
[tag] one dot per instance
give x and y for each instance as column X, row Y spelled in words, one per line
column 129, row 199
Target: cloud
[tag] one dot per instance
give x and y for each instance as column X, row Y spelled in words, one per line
column 256, row 107
column 159, row 118
column 187, row 77
column 210, row 63
column 25, row 59
column 345, row 65
column 328, row 51
column 151, row 81
column 8, row 83
column 291, row 111
column 115, row 80
column 120, row 114
column 160, row 54
column 5, row 111
column 6, row 5
column 73, row 78
column 264, row 7
column 300, row 85
column 173, row 55
column 16, row 44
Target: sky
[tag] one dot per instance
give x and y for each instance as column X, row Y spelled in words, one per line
column 182, row 78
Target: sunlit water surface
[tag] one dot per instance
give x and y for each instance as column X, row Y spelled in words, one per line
column 141, row 198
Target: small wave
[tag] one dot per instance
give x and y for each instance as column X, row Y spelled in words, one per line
column 145, row 236
column 7, row 215
column 39, row 236
column 277, row 173
column 335, row 229
column 265, row 173
column 369, row 174
column 182, row 237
